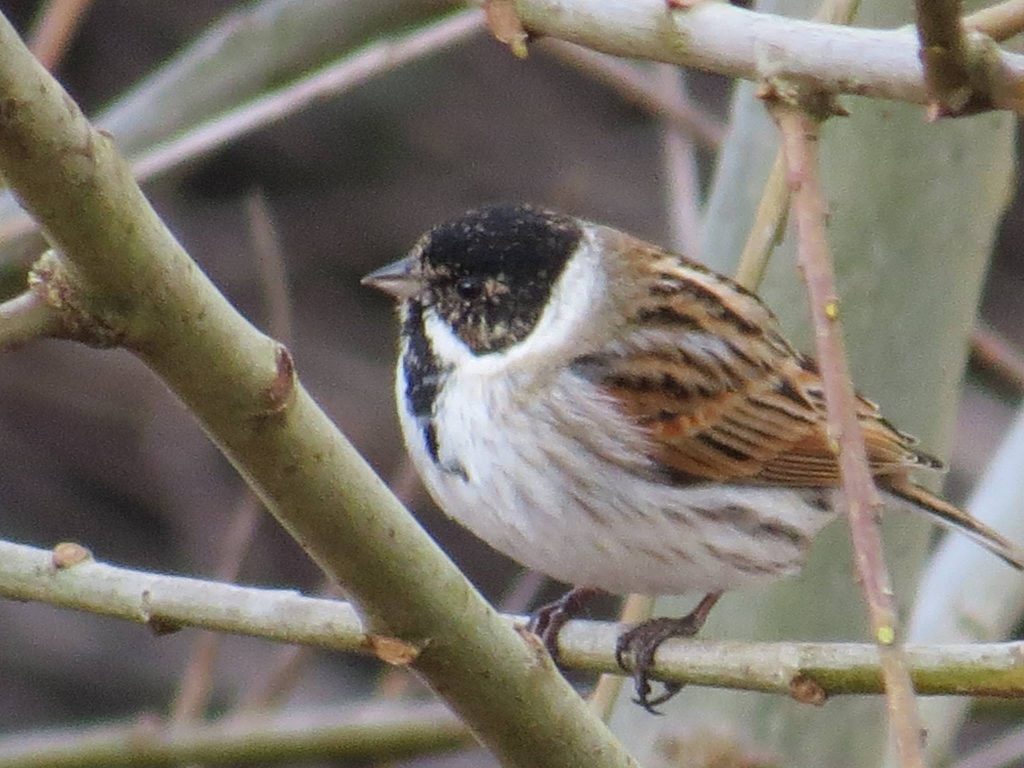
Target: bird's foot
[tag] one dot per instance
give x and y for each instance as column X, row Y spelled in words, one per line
column 641, row 643
column 548, row 620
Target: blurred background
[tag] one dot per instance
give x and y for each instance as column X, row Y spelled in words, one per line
column 94, row 449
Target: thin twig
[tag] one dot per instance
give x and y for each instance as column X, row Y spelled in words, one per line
column 270, row 263
column 944, row 52
column 635, row 609
column 273, row 686
column 276, row 682
column 1000, row 22
column 167, row 602
column 994, row 354
column 345, row 74
column 197, row 679
column 634, row 85
column 768, row 228
column 335, row 79
column 682, row 179
column 24, row 318
column 770, row 219
column 335, row 735
column 800, row 143
column 55, row 28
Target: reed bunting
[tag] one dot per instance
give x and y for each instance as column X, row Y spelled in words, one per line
column 621, row 418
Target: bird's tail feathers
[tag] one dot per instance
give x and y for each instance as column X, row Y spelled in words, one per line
column 957, row 519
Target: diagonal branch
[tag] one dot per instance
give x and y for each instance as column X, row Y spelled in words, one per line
column 197, row 679
column 242, row 386
column 800, row 144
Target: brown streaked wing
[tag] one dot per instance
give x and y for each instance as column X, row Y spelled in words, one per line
column 702, row 368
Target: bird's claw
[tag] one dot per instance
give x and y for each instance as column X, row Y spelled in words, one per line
column 642, row 642
column 548, row 620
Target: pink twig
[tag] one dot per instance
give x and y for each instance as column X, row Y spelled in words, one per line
column 55, row 29
column 800, row 143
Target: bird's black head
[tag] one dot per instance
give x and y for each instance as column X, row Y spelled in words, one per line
column 489, row 272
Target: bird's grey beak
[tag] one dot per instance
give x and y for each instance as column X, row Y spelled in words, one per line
column 403, row 279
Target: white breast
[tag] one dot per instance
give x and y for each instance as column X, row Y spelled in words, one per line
column 557, row 480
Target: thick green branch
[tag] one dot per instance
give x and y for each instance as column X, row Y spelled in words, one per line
column 808, row 671
column 242, row 386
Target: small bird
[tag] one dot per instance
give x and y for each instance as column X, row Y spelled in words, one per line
column 621, row 418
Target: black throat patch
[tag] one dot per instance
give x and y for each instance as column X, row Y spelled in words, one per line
column 423, row 375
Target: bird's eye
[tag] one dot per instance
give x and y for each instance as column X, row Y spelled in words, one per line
column 469, row 287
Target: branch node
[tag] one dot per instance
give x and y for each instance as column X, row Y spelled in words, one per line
column 970, row 90
column 157, row 625
column 885, row 635
column 534, row 643
column 807, row 690
column 953, row 95
column 505, row 25
column 56, row 281
column 280, row 392
column 777, row 90
column 161, row 627
column 392, row 650
column 68, row 554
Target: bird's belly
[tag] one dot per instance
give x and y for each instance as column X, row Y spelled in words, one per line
column 537, row 481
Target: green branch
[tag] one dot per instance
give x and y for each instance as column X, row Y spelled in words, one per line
column 129, row 272
column 67, row 577
column 350, row 734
